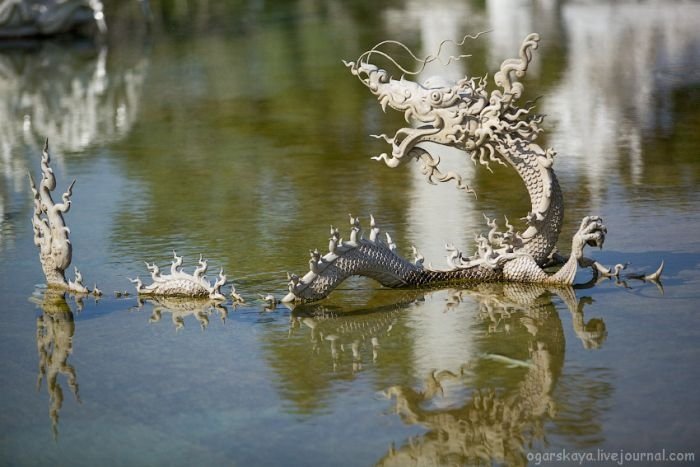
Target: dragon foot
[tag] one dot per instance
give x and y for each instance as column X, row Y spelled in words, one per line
column 592, row 232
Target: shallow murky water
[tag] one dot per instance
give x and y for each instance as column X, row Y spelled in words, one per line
column 237, row 133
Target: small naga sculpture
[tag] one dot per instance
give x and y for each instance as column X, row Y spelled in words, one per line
column 181, row 284
column 490, row 128
column 50, row 230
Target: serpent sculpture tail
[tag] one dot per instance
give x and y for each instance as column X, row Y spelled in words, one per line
column 490, row 128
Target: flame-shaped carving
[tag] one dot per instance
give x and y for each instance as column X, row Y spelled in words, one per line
column 51, row 235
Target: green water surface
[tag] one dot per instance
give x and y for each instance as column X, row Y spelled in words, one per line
column 233, row 130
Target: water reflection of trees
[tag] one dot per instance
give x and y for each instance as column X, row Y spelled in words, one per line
column 501, row 401
column 266, row 110
column 27, row 18
column 73, row 92
column 631, row 65
column 65, row 91
column 55, row 328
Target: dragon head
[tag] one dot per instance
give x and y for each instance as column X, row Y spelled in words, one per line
column 439, row 111
column 461, row 114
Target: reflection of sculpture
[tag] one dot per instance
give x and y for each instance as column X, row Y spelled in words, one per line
column 93, row 96
column 50, row 231
column 180, row 283
column 23, row 18
column 492, row 425
column 490, row 128
column 352, row 335
column 591, row 333
column 486, row 409
column 521, row 297
column 323, row 346
column 54, row 342
column 180, row 308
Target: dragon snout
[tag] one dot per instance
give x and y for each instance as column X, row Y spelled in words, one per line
column 370, row 75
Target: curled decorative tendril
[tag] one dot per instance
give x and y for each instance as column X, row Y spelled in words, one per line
column 424, row 61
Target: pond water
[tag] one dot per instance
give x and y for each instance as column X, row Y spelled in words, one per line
column 236, row 132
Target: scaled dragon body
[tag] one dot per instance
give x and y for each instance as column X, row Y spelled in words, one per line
column 489, row 127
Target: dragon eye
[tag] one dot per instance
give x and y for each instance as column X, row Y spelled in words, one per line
column 436, row 97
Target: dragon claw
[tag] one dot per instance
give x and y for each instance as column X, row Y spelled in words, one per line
column 592, row 233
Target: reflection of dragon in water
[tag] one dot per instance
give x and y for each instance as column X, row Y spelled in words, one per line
column 490, row 127
column 508, row 397
column 494, row 426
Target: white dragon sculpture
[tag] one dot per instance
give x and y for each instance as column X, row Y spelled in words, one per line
column 489, row 127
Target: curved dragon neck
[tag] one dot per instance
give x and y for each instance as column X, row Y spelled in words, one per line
column 489, row 126
column 546, row 216
column 545, row 219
